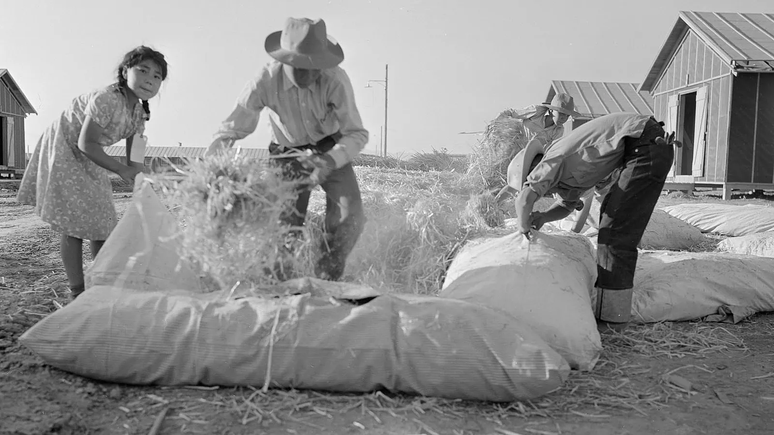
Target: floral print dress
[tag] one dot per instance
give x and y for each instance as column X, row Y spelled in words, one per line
column 69, row 191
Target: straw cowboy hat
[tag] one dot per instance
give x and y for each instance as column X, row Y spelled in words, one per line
column 304, row 43
column 518, row 169
column 562, row 103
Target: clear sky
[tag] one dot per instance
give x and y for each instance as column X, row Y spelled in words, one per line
column 453, row 64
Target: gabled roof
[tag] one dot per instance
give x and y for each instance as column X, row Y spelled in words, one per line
column 188, row 152
column 6, row 78
column 594, row 99
column 744, row 40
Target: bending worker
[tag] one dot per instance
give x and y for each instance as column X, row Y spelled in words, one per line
column 638, row 145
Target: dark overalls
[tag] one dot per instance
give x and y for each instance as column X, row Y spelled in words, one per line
column 627, row 208
column 344, row 216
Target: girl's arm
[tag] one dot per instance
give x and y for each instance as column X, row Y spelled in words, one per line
column 88, row 142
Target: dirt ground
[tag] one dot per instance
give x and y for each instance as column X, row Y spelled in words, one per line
column 732, row 393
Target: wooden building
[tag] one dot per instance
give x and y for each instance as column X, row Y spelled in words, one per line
column 14, row 108
column 595, row 99
column 712, row 82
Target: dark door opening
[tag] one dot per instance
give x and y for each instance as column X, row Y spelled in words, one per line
column 3, row 146
column 686, row 133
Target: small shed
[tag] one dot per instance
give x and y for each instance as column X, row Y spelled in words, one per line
column 712, row 83
column 14, row 108
column 595, row 99
column 159, row 158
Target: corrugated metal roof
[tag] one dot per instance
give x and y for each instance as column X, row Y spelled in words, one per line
column 188, row 152
column 744, row 40
column 5, row 77
column 594, row 99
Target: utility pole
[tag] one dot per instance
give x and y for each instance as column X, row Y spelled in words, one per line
column 386, row 83
column 386, row 89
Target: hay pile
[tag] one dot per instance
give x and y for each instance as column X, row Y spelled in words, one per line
column 416, row 221
column 503, row 139
column 230, row 208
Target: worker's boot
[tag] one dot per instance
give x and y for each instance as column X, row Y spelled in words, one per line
column 613, row 309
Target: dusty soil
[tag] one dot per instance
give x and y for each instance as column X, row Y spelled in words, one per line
column 733, row 386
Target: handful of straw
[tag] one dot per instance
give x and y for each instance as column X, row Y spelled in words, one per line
column 230, row 207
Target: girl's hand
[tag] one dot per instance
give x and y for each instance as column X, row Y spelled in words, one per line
column 128, row 173
column 140, row 166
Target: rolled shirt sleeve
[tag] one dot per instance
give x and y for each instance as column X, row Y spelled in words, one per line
column 298, row 116
column 353, row 136
column 544, row 179
column 243, row 120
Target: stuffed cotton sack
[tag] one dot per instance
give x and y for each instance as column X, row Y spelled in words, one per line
column 141, row 252
column 674, row 286
column 725, row 219
column 410, row 344
column 758, row 244
column 544, row 284
column 663, row 232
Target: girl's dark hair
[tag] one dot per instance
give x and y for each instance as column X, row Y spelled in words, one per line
column 133, row 58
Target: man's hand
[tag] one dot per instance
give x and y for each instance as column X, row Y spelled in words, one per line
column 537, row 220
column 320, row 165
column 219, row 146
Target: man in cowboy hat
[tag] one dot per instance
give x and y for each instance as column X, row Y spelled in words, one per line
column 316, row 130
column 638, row 145
column 543, row 123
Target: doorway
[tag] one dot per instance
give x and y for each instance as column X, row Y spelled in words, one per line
column 686, row 133
column 3, row 144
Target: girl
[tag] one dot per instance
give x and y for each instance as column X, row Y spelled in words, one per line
column 67, row 177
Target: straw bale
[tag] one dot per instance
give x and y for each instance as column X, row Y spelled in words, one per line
column 503, row 139
column 230, row 208
column 415, row 224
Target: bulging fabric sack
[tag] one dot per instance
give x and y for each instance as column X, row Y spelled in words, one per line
column 673, row 286
column 725, row 219
column 759, row 244
column 663, row 232
column 142, row 251
column 666, row 232
column 404, row 343
column 544, row 284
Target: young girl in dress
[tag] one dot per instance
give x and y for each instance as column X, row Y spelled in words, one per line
column 67, row 177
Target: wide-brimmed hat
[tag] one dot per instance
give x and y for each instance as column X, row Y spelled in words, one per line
column 518, row 169
column 562, row 103
column 304, row 43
